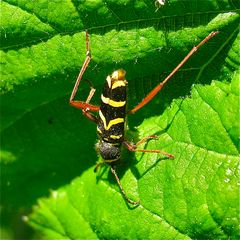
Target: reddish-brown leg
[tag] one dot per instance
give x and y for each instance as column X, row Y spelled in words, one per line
column 133, row 147
column 85, row 106
column 151, row 95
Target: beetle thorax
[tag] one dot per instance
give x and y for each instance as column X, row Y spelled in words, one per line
column 108, row 151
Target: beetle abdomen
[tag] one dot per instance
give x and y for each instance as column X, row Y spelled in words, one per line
column 113, row 108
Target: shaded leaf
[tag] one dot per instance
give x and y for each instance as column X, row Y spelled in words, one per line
column 45, row 143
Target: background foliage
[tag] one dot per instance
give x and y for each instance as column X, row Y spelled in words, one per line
column 48, row 146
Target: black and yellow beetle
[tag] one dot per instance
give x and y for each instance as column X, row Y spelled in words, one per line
column 112, row 112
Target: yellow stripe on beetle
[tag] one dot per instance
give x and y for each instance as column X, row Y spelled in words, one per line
column 118, row 74
column 109, row 81
column 115, row 136
column 112, row 102
column 117, row 84
column 99, row 130
column 111, row 122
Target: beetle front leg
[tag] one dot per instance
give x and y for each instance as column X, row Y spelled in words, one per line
column 134, row 147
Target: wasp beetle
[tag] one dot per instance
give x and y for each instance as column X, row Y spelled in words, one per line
column 112, row 112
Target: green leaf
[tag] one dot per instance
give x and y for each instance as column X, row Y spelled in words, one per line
column 193, row 196
column 45, row 144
